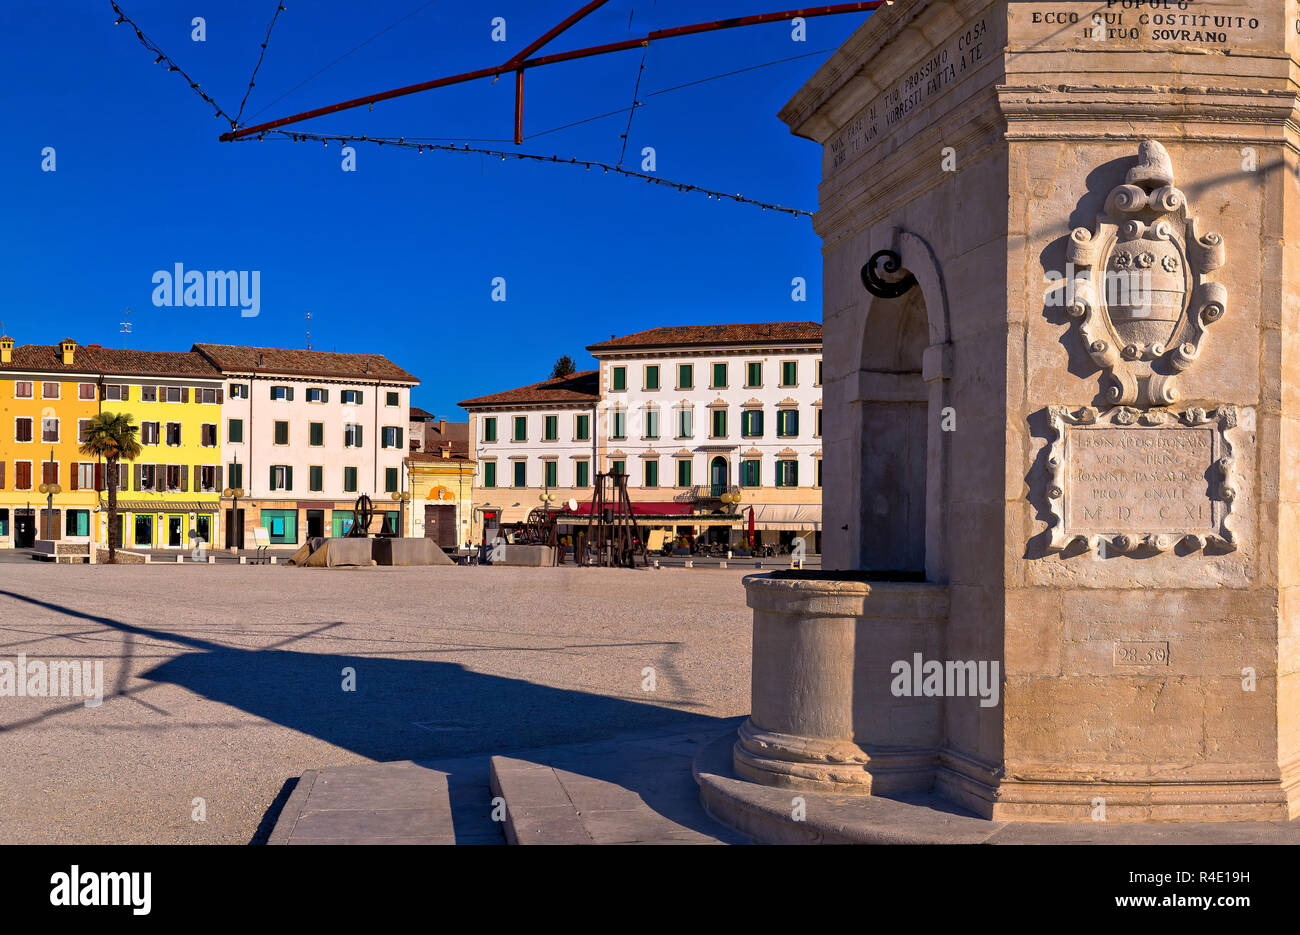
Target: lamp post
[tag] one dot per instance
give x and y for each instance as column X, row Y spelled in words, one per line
column 732, row 499
column 401, row 497
column 234, row 493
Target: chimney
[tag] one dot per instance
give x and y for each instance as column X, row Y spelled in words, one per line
column 442, row 426
column 69, row 348
column 6, row 350
column 446, row 452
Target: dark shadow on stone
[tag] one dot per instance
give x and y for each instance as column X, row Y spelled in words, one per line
column 267, row 824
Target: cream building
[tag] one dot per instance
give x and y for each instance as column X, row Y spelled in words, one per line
column 689, row 413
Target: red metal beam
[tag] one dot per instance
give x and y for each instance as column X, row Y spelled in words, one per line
column 533, row 47
column 520, row 65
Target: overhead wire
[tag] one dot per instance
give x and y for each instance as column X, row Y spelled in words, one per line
column 279, row 8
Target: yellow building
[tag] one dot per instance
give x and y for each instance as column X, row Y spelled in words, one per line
column 46, row 393
column 169, row 497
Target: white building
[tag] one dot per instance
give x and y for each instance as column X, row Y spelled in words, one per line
column 689, row 413
column 304, row 433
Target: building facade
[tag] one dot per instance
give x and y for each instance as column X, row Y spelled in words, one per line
column 303, row 435
column 690, row 414
column 441, row 468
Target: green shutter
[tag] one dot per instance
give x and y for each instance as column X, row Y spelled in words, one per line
column 490, row 474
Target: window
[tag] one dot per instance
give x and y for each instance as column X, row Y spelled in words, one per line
column 618, row 467
column 174, row 434
column 350, row 480
column 316, row 478
column 147, row 477
column 281, row 433
column 521, row 428
column 352, row 435
column 175, row 477
column 754, row 373
column 49, row 391
column 207, row 478
column 619, row 420
column 177, row 394
column 22, row 389
column 652, row 376
column 148, row 394
column 22, row 430
column 316, row 434
column 207, row 396
column 208, row 435
column 283, row 393
column 685, row 422
column 787, row 423
column 581, row 428
column 77, row 522
column 239, row 391
column 750, row 473
column 390, row 437
column 787, row 473
column 489, row 474
column 652, row 472
column 86, row 476
column 83, row 427
column 618, row 378
column 652, row 423
column 116, row 391
column 86, row 391
column 521, row 474
column 490, row 429
column 149, row 433
column 49, row 430
column 817, row 380
column 718, row 423
column 789, row 372
column 719, row 376
column 350, row 397
column 684, row 472
column 143, row 529
column 817, row 421
column 235, row 431
column 581, row 473
column 49, row 472
column 235, row 473
column 281, row 525
column 551, row 428
column 751, row 423
column 281, row 477
column 316, row 394
column 551, row 473
column 22, row 475
column 391, row 399
column 686, row 376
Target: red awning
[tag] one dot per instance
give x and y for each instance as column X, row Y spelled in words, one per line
column 645, row 509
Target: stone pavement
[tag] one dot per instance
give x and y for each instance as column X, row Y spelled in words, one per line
column 636, row 788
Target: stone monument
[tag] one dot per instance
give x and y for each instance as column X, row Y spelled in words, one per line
column 1062, row 418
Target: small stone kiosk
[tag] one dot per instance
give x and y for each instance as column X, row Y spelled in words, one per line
column 1062, row 432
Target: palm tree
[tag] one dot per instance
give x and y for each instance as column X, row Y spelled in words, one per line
column 111, row 436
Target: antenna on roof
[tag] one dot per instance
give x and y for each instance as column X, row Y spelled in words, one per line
column 126, row 322
column 308, row 316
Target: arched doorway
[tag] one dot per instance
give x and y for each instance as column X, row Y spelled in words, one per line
column 718, row 477
column 894, row 425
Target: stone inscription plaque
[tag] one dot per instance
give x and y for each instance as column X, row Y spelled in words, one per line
column 1139, row 480
column 1132, row 480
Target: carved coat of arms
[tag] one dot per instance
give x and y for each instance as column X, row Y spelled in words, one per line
column 1139, row 286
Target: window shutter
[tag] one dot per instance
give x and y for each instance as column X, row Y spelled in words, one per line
column 2, row 475
column 76, row 469
column 288, row 478
column 359, row 437
column 273, row 487
column 288, row 393
column 99, row 476
column 122, row 478
column 185, row 394
column 198, row 477
column 324, row 396
column 160, row 477
column 218, row 484
column 399, row 437
column 185, row 477
column 137, row 477
column 221, row 397
column 360, row 397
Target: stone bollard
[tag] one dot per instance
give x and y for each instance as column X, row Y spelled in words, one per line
column 722, row 564
column 274, row 560
column 212, row 559
column 689, row 563
column 180, row 559
column 656, row 564
column 243, row 559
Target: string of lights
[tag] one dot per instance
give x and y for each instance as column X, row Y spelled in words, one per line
column 403, row 143
column 279, row 8
column 164, row 59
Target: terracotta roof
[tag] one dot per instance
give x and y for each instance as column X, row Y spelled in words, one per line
column 233, row 358
column 111, row 360
column 580, row 387
column 769, row 332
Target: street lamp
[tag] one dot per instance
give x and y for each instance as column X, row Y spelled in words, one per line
column 233, row 493
column 401, row 497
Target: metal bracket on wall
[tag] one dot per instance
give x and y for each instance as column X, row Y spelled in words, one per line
column 888, row 263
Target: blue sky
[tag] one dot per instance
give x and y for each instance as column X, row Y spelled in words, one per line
column 398, row 257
